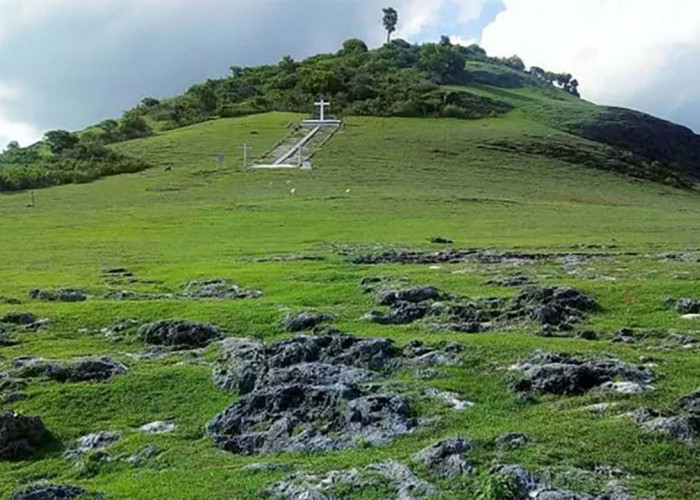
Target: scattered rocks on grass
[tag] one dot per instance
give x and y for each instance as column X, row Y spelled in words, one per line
column 688, row 306
column 417, row 353
column 9, row 300
column 304, row 394
column 413, row 295
column 407, row 485
column 309, row 418
column 61, row 295
column 446, row 458
column 598, row 410
column 81, row 370
column 310, row 486
column 178, row 334
column 451, row 399
column 218, row 289
column 690, row 403
column 478, row 256
column 158, row 427
column 303, row 486
column 118, row 272
column 305, row 321
column 292, row 258
column 143, row 455
column 20, row 435
column 401, row 313
column 685, row 426
column 91, row 442
column 512, row 440
column 527, row 486
column 49, row 492
column 6, row 340
column 136, row 296
column 626, row 387
column 552, row 307
column 439, row 240
column 11, row 389
column 18, row 318
column 587, row 335
column 685, row 341
column 562, row 374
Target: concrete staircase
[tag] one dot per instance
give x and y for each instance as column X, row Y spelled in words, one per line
column 307, row 138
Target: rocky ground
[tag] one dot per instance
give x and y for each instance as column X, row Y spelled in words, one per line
column 315, row 389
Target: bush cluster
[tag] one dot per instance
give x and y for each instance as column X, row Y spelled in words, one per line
column 397, row 79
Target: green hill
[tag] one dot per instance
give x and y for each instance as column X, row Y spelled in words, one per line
column 396, row 80
column 526, row 187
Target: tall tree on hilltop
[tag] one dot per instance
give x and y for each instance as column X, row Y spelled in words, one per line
column 391, row 19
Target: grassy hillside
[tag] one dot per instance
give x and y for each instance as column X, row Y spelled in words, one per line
column 395, row 80
column 381, row 183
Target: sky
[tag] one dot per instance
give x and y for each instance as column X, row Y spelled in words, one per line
column 70, row 63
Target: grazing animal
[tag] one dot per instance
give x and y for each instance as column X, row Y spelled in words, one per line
column 293, row 191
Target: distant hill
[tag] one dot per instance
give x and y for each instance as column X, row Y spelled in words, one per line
column 434, row 80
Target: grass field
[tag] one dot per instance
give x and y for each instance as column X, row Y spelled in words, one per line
column 380, row 183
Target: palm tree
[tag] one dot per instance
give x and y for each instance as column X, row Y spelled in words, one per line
column 391, row 19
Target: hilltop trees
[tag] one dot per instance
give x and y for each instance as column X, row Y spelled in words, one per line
column 353, row 46
column 565, row 81
column 70, row 159
column 396, row 79
column 440, row 60
column 390, row 21
column 60, row 141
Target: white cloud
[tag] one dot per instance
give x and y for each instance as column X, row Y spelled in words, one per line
column 638, row 53
column 460, row 40
column 416, row 15
column 12, row 130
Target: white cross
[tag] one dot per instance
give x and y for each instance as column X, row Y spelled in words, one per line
column 323, row 105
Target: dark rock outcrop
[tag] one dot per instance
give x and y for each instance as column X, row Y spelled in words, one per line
column 309, row 486
column 305, row 321
column 684, row 426
column 61, row 295
column 566, row 375
column 20, row 435
column 306, row 394
column 527, row 486
column 446, row 458
column 11, row 388
column 6, row 340
column 413, row 295
column 18, row 318
column 440, row 240
column 417, row 353
column 48, row 492
column 95, row 441
column 218, row 289
column 688, row 306
column 552, row 307
column 512, row 440
column 453, row 256
column 81, row 370
column 178, row 334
